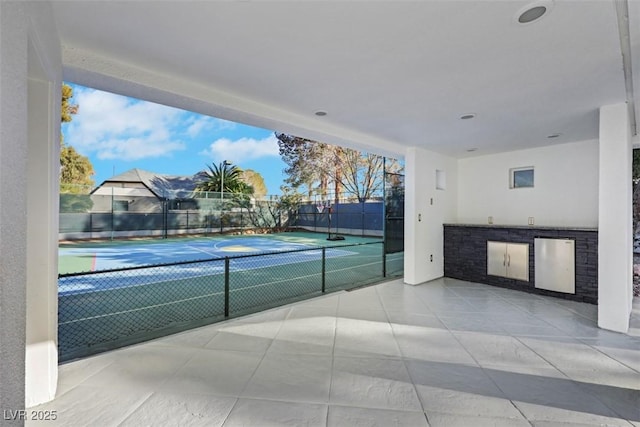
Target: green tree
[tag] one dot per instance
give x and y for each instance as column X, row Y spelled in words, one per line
column 76, row 170
column 224, row 174
column 68, row 109
column 256, row 181
column 305, row 161
column 317, row 165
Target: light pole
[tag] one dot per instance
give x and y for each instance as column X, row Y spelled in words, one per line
column 225, row 163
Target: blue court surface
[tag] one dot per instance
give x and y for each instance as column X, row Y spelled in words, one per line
column 148, row 254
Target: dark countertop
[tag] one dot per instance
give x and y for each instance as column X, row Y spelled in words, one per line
column 531, row 227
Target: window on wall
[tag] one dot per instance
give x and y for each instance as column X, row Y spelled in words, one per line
column 120, row 205
column 521, row 177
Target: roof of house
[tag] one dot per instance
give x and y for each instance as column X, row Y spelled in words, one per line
column 162, row 186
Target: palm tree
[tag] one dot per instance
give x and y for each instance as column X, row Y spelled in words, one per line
column 224, row 174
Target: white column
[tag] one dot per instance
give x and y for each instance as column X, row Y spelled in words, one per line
column 42, row 189
column 13, row 205
column 426, row 209
column 615, row 234
column 415, row 230
column 42, row 241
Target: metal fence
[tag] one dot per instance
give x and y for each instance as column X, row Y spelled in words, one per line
column 113, row 212
column 84, row 216
column 107, row 309
column 394, row 213
column 352, row 218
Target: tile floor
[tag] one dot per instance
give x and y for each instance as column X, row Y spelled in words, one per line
column 445, row 353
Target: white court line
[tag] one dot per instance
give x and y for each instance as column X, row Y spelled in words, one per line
column 208, row 295
column 206, row 252
column 138, row 309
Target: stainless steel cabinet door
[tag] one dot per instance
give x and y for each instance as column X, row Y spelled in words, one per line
column 556, row 265
column 497, row 259
column 518, row 261
column 508, row 260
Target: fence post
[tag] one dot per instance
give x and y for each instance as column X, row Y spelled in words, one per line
column 362, row 217
column 384, row 261
column 226, row 286
column 324, row 268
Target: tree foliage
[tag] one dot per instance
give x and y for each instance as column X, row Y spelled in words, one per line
column 76, row 170
column 256, row 181
column 303, row 158
column 68, row 109
column 74, row 203
column 318, row 166
column 278, row 211
column 224, row 174
column 636, row 165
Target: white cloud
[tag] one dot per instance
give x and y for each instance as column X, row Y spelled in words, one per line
column 198, row 125
column 242, row 149
column 113, row 126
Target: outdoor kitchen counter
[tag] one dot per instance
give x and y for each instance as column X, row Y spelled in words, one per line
column 528, row 227
column 465, row 255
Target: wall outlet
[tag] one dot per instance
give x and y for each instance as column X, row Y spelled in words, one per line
column 530, row 220
column 431, row 257
column 490, row 220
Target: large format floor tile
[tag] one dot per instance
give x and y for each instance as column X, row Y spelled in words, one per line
column 444, row 353
column 373, row 383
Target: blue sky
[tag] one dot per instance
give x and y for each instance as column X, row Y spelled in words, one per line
column 118, row 133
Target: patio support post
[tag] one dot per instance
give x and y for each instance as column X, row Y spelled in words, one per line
column 30, row 79
column 615, row 229
column 13, row 186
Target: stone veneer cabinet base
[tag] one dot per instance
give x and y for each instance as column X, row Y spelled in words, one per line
column 465, row 256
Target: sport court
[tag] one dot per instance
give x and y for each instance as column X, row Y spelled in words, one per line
column 136, row 290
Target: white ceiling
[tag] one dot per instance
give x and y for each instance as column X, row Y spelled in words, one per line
column 390, row 74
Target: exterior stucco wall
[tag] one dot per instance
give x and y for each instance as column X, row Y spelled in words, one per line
column 30, row 78
column 13, row 204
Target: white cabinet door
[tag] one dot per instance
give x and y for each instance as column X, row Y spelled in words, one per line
column 518, row 261
column 497, row 259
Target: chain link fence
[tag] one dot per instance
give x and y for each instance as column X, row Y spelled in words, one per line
column 132, row 210
column 113, row 212
column 107, row 309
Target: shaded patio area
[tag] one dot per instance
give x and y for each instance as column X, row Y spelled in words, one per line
column 444, row 353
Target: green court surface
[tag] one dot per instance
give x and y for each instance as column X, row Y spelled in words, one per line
column 106, row 310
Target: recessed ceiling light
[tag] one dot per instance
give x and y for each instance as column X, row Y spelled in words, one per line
column 467, row 116
column 533, row 12
column 320, row 113
column 554, row 135
column 471, row 150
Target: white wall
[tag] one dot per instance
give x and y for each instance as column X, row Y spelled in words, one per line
column 424, row 219
column 13, row 203
column 42, row 178
column 615, row 242
column 565, row 192
column 30, row 76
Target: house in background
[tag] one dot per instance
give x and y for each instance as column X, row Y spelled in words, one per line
column 137, row 190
